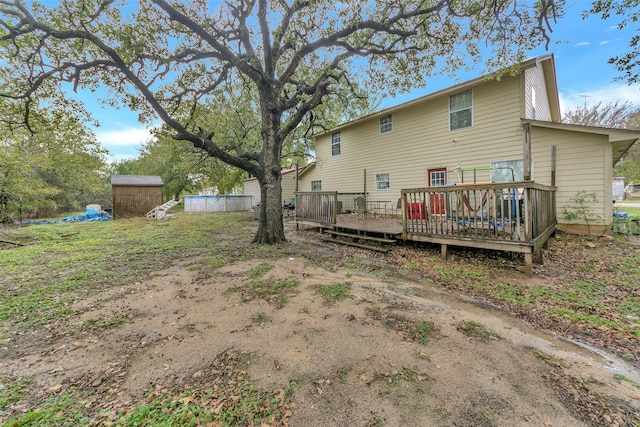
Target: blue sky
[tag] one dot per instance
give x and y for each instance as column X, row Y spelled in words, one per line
column 581, row 48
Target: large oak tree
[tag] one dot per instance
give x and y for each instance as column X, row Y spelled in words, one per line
column 167, row 59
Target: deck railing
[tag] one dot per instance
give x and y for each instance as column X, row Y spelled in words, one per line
column 518, row 211
column 325, row 206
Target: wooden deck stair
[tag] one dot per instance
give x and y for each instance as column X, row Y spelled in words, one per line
column 353, row 238
column 160, row 212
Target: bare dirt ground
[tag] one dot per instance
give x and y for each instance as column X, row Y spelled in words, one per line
column 351, row 363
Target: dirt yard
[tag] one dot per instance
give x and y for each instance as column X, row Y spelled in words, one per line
column 357, row 361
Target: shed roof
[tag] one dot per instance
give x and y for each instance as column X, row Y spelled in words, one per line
column 136, row 180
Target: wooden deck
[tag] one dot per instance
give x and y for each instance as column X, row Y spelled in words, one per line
column 515, row 217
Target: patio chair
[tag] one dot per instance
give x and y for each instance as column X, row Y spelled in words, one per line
column 399, row 207
column 360, row 205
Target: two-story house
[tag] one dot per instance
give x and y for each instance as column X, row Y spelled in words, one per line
column 485, row 130
column 486, row 163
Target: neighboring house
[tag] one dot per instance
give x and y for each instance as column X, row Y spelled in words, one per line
column 618, row 188
column 135, row 195
column 252, row 187
column 484, row 130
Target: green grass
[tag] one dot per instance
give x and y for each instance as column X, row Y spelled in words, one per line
column 334, row 292
column 266, row 288
column 61, row 263
column 634, row 212
column 64, row 409
column 477, row 330
column 413, row 330
column 259, row 270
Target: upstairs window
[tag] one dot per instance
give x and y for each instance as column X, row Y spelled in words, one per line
column 335, row 144
column 316, row 185
column 382, row 181
column 386, row 123
column 460, row 110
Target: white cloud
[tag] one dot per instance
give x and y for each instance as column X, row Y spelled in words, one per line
column 129, row 137
column 580, row 44
column 603, row 42
column 605, row 94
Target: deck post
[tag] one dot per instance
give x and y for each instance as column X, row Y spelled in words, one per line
column 526, row 148
column 528, row 264
column 537, row 256
column 443, row 251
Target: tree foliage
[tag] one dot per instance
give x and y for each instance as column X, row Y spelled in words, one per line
column 169, row 59
column 628, row 64
column 58, row 167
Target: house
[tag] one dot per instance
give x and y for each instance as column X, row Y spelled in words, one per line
column 482, row 131
column 252, row 187
column 135, row 195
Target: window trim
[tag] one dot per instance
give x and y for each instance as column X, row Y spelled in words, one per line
column 470, row 91
column 319, row 182
column 387, row 126
column 336, row 141
column 388, row 181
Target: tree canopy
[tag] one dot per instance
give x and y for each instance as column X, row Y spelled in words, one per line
column 168, row 59
column 58, row 167
column 627, row 64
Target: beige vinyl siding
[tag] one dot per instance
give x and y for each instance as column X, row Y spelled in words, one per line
column 252, row 188
column 534, row 82
column 583, row 162
column 420, row 141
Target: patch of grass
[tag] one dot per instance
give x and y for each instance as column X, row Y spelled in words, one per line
column 11, row 391
column 457, row 273
column 259, row 270
column 381, row 273
column 591, row 319
column 236, row 401
column 215, row 262
column 64, row 409
column 334, row 292
column 621, row 377
column 189, row 327
column 343, row 372
column 408, row 268
column 477, row 330
column 273, row 287
column 104, row 322
column 412, row 330
column 63, row 262
column 260, row 317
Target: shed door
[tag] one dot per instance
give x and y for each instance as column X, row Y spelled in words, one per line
column 437, row 178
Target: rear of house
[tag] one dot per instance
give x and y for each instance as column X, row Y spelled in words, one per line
column 481, row 131
column 252, row 187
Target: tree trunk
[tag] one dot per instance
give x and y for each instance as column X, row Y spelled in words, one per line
column 270, row 229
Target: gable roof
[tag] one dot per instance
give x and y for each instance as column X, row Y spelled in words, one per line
column 136, row 180
column 547, row 63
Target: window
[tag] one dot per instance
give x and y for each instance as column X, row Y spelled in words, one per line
column 437, row 177
column 533, row 103
column 382, row 181
column 316, row 185
column 507, row 171
column 386, row 123
column 460, row 110
column 335, row 144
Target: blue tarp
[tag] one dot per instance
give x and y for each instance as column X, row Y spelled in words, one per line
column 90, row 216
